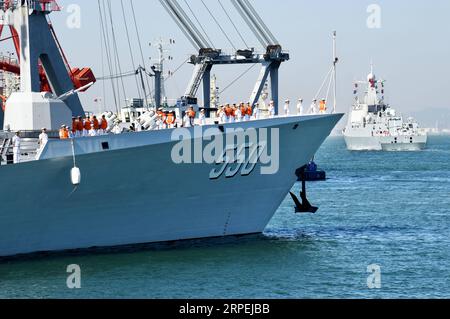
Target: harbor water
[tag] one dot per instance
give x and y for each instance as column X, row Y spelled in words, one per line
column 386, row 210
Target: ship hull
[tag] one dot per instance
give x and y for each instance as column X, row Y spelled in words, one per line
column 138, row 195
column 362, row 143
column 404, row 143
column 386, row 143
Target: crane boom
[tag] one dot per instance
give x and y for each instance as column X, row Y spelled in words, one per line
column 264, row 28
column 209, row 56
column 249, row 23
column 185, row 23
column 255, row 23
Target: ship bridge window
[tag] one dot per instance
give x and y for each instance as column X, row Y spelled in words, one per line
column 374, row 108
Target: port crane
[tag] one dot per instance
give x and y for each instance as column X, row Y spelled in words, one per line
column 208, row 56
column 54, row 73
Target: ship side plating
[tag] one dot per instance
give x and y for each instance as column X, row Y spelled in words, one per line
column 136, row 194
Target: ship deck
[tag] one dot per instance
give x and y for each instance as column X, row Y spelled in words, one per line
column 30, row 150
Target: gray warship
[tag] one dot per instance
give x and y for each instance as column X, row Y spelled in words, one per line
column 137, row 193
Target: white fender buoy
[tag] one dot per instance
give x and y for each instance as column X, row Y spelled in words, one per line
column 75, row 173
column 75, row 176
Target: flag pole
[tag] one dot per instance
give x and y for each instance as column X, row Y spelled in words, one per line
column 335, row 62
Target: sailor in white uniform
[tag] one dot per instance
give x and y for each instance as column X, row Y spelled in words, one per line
column 187, row 121
column 202, row 118
column 16, row 147
column 43, row 138
column 160, row 123
column 223, row 116
column 238, row 115
column 287, row 105
column 256, row 112
column 313, row 107
column 300, row 107
column 271, row 109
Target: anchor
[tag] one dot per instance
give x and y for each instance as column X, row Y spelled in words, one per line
column 304, row 206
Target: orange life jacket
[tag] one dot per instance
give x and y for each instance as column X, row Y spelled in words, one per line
column 170, row 119
column 243, row 111
column 104, row 124
column 87, row 125
column 323, row 106
column 80, row 125
column 192, row 114
column 96, row 124
column 63, row 134
column 249, row 111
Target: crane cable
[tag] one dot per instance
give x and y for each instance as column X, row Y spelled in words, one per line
column 218, row 24
column 116, row 50
column 176, row 70
column 130, row 48
column 140, row 44
column 323, row 84
column 105, row 37
column 116, row 76
column 329, row 87
column 102, row 57
column 234, row 25
column 247, row 20
column 112, row 56
column 238, row 78
column 197, row 20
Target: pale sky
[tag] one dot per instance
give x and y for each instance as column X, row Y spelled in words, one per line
column 411, row 49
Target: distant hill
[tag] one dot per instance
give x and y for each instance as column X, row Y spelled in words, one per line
column 428, row 117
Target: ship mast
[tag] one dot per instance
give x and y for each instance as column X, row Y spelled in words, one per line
column 215, row 94
column 335, row 62
column 330, row 79
column 158, row 69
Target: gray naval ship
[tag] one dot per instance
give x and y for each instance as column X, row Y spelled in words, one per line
column 130, row 188
column 374, row 125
